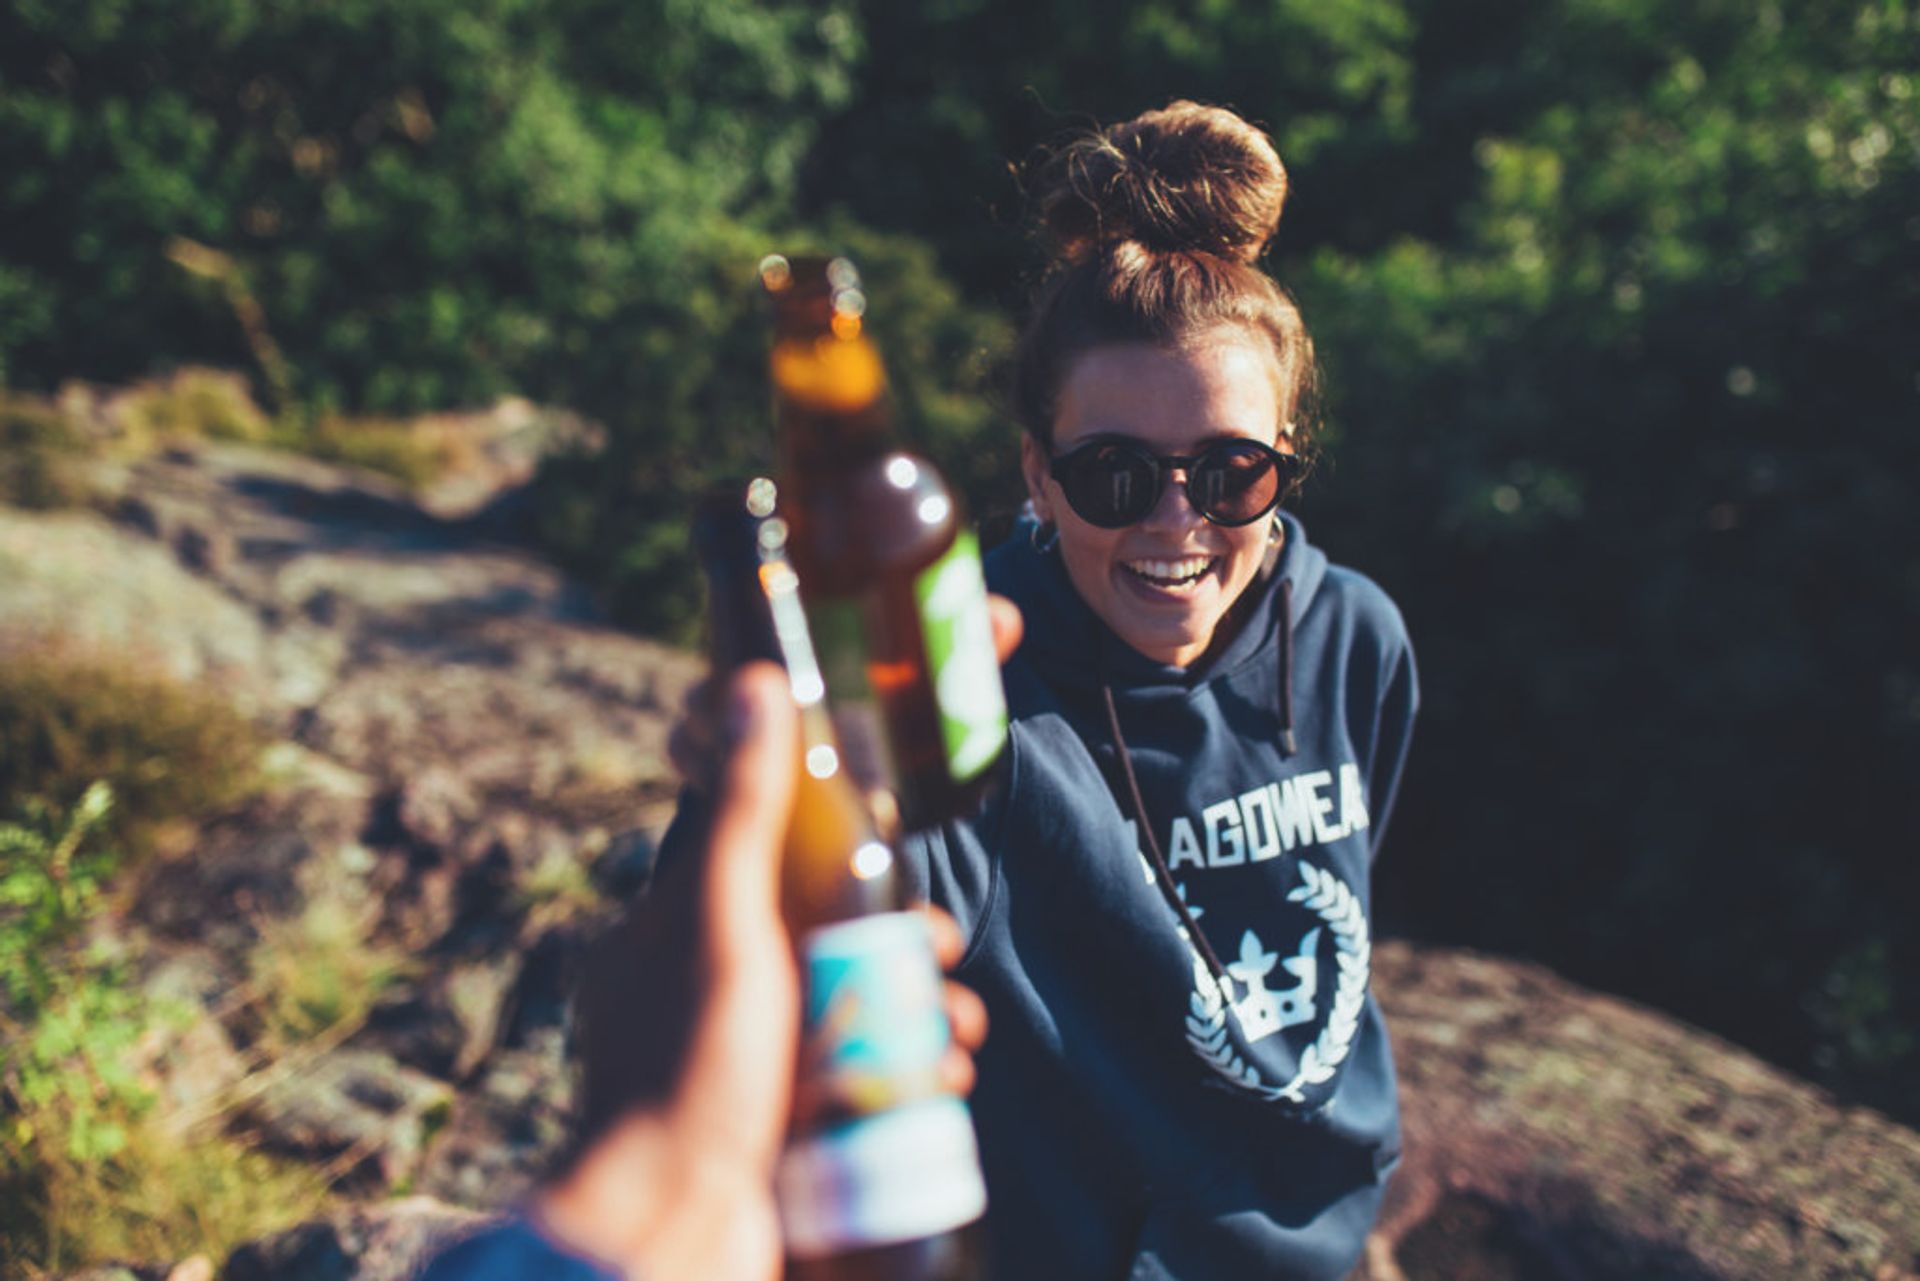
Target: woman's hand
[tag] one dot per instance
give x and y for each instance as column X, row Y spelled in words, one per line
column 694, row 744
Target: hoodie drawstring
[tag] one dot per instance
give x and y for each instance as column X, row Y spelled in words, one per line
column 1163, row 875
column 1287, row 745
column 1161, row 872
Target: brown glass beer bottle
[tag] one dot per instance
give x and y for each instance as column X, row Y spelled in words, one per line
column 891, row 569
column 880, row 1174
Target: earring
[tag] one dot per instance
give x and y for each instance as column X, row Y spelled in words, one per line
column 1044, row 536
column 1277, row 531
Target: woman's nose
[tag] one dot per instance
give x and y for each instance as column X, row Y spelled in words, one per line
column 1172, row 510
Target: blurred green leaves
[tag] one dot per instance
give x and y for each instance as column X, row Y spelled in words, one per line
column 436, row 201
column 49, row 887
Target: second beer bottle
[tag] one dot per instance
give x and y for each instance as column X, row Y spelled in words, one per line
column 889, row 569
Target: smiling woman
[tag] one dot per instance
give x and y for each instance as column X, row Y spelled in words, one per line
column 1167, row 899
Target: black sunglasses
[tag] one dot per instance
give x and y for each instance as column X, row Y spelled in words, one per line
column 1114, row 483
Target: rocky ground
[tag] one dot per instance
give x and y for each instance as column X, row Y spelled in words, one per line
column 471, row 768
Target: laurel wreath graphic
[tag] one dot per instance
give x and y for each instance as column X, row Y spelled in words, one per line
column 1328, row 896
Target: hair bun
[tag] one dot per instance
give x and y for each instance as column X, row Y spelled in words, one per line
column 1184, row 177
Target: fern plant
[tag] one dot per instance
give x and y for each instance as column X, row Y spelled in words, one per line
column 67, row 1021
column 70, row 1020
column 49, row 886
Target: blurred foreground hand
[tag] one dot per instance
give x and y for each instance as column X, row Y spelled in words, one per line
column 690, row 1017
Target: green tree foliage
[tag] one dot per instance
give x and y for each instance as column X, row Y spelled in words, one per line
column 954, row 91
column 437, row 200
column 424, row 203
column 1633, row 443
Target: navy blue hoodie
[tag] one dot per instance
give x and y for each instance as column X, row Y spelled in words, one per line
column 1142, row 1114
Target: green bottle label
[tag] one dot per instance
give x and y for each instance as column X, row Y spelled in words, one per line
column 952, row 593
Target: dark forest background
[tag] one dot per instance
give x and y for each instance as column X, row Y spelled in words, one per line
column 1618, row 302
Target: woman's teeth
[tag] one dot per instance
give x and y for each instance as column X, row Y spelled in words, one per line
column 1170, row 573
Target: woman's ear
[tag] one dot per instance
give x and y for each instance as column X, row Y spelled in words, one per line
column 1033, row 466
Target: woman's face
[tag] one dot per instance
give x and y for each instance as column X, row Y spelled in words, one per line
column 1164, row 584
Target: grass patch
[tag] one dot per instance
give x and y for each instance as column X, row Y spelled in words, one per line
column 193, row 404
column 393, row 447
column 319, row 973
column 42, row 456
column 173, row 755
column 45, row 444
column 90, row 1169
column 157, row 1195
column 559, row 889
column 208, row 404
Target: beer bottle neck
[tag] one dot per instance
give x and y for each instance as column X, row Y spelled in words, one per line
column 814, row 443
column 830, row 392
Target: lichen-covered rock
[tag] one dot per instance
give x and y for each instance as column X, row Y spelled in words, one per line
column 449, row 1021
column 355, row 1101
column 1557, row 1133
column 194, row 1065
column 75, row 582
column 506, row 1131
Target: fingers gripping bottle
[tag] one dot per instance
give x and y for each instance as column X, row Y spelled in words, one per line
column 890, row 568
column 880, row 1176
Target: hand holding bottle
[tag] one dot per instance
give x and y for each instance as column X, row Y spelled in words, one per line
column 690, row 1013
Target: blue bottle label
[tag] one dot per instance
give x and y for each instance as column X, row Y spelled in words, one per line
column 883, row 1155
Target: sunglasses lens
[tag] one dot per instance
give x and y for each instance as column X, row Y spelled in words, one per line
column 1112, row 485
column 1235, row 484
